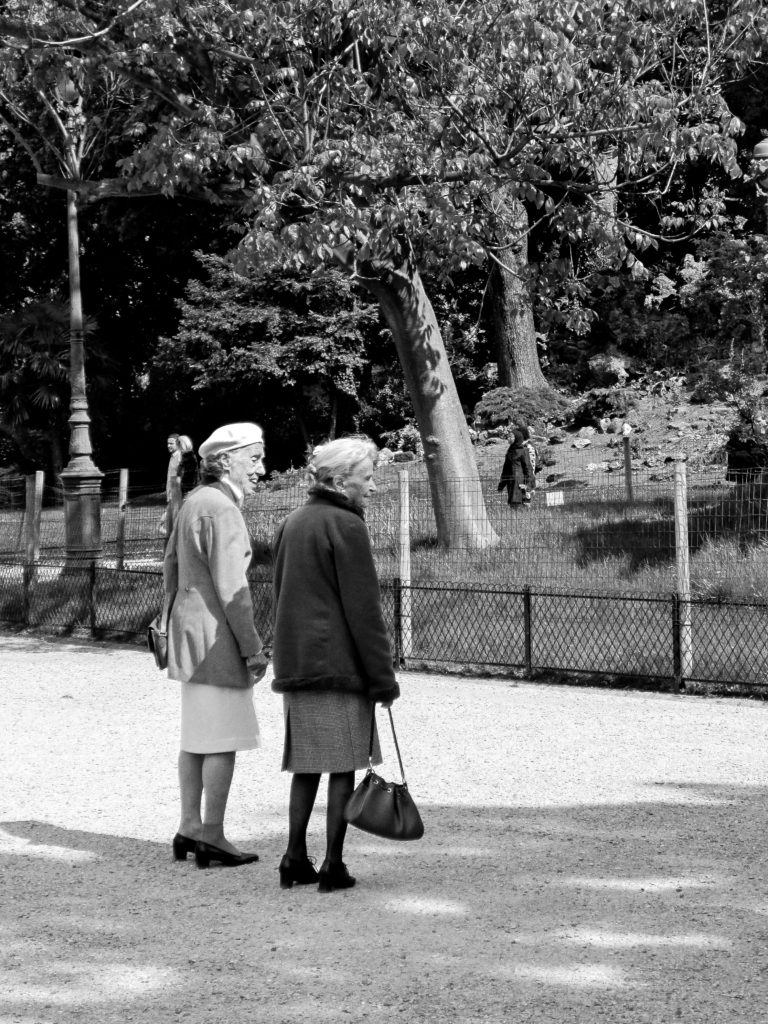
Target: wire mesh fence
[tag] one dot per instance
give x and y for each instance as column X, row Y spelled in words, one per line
column 535, row 631
column 584, row 532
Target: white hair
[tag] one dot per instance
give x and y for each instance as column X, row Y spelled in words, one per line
column 214, row 467
column 340, row 457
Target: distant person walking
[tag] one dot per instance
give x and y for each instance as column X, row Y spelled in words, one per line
column 214, row 649
column 172, row 492
column 535, row 458
column 173, row 465
column 181, row 480
column 331, row 654
column 517, row 472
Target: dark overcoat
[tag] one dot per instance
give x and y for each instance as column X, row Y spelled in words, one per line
column 516, row 473
column 329, row 631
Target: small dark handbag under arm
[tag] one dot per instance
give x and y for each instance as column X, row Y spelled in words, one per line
column 384, row 808
column 157, row 634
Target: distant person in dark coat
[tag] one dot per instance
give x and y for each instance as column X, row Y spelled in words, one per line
column 188, row 473
column 331, row 652
column 517, row 473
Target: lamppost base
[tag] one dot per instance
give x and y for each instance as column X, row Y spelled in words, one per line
column 81, row 481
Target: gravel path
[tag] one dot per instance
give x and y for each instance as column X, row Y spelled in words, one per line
column 590, row 856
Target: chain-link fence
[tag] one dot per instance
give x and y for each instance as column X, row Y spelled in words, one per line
column 535, row 631
column 585, row 579
column 588, row 531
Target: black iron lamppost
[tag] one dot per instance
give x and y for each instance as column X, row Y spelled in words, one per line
column 81, row 479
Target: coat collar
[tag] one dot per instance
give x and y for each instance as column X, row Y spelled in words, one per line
column 321, row 492
column 226, row 487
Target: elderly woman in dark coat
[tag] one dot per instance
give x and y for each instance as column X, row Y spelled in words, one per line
column 214, row 649
column 332, row 658
column 517, row 473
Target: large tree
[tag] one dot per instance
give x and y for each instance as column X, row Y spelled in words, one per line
column 379, row 136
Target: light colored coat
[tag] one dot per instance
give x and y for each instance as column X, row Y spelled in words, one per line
column 211, row 630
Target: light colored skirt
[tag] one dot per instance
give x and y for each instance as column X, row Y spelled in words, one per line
column 217, row 719
column 328, row 731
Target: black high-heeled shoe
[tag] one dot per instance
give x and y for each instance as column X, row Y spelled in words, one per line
column 334, row 876
column 182, row 845
column 205, row 853
column 302, row 872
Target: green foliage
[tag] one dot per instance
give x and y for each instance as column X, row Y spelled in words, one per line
column 508, row 406
column 719, row 383
column 34, row 381
column 405, row 439
column 385, row 131
column 290, row 345
column 602, row 403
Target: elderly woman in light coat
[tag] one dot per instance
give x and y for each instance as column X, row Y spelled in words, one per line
column 214, row 649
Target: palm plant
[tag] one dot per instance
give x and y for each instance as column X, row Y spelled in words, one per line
column 34, row 382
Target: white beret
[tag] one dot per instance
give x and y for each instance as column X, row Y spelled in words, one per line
column 230, row 437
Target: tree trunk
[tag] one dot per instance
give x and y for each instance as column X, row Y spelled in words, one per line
column 457, row 497
column 511, row 309
column 606, row 176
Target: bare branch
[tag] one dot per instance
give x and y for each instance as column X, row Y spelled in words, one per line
column 119, row 188
column 91, row 35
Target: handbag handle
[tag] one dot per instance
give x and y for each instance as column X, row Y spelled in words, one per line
column 394, row 737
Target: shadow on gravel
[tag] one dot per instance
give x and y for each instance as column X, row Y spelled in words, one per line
column 643, row 912
column 38, row 643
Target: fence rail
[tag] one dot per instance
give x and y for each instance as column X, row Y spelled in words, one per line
column 533, row 630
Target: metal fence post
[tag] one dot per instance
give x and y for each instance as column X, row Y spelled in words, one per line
column 122, row 501
column 398, row 621
column 528, row 631
column 92, row 596
column 682, row 559
column 628, row 467
column 404, row 564
column 677, row 673
column 32, row 513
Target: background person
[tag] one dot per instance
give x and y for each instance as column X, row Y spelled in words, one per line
column 533, row 454
column 214, row 649
column 331, row 653
column 172, row 493
column 174, row 451
column 517, row 472
column 188, row 474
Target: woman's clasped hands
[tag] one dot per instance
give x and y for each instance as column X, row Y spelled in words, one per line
column 257, row 665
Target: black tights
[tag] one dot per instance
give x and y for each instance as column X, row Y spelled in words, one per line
column 303, row 793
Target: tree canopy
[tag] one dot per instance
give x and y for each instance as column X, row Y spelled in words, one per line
column 386, row 137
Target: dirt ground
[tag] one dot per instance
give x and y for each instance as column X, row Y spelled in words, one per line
column 589, row 856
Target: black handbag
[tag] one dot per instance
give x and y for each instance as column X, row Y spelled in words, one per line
column 384, row 808
column 157, row 635
column 157, row 642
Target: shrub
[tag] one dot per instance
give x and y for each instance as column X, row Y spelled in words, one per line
column 523, row 406
column 602, row 403
column 285, row 480
column 720, row 383
column 404, row 439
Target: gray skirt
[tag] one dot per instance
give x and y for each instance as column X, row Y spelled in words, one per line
column 328, row 731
